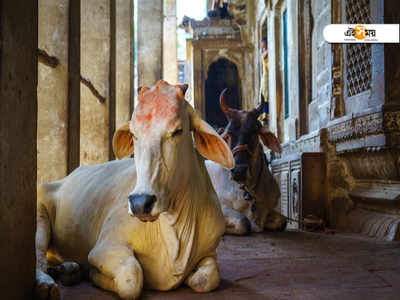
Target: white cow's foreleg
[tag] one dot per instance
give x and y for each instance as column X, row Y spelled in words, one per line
column 46, row 288
column 206, row 276
column 236, row 222
column 116, row 269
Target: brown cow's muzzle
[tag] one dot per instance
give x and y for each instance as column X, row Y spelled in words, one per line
column 142, row 205
column 239, row 173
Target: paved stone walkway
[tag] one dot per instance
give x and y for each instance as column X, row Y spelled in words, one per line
column 290, row 265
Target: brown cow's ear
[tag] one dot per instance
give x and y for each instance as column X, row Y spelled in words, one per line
column 209, row 143
column 123, row 142
column 270, row 140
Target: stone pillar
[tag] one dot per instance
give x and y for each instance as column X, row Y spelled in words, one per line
column 74, row 85
column 291, row 124
column 274, row 73
column 170, row 43
column 149, row 41
column 18, row 125
column 53, row 91
column 124, row 64
column 321, row 67
column 95, row 65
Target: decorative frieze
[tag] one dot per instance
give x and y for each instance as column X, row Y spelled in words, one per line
column 370, row 124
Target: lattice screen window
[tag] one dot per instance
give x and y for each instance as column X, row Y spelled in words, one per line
column 358, row 62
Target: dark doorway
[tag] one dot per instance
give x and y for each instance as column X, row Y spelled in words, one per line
column 221, row 74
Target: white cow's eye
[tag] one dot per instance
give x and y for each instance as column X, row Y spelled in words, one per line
column 134, row 136
column 177, row 132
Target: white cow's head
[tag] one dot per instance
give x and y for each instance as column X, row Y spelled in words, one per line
column 161, row 134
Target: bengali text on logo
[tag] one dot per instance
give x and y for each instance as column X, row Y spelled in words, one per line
column 361, row 33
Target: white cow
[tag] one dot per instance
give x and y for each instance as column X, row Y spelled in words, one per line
column 152, row 221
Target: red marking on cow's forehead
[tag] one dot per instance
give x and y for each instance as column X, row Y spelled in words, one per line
column 157, row 105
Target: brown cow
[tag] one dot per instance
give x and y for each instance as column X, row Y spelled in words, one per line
column 248, row 193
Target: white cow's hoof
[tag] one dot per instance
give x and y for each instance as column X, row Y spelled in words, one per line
column 46, row 288
column 68, row 273
column 129, row 282
column 206, row 278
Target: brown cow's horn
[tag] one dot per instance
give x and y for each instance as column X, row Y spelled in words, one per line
column 225, row 108
column 260, row 106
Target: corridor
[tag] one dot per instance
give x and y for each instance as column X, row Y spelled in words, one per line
column 290, row 265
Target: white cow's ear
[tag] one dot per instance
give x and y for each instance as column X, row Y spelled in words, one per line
column 123, row 142
column 210, row 144
column 270, row 140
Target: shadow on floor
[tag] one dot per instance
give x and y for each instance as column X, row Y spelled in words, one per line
column 290, row 265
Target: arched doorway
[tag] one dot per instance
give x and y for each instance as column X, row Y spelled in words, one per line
column 221, row 74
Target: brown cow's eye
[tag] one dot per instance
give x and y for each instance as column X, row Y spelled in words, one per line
column 177, row 132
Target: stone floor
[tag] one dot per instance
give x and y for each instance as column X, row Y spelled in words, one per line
column 291, row 265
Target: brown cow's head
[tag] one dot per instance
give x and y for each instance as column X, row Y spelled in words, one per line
column 160, row 134
column 242, row 134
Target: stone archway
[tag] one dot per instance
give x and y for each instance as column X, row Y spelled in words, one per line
column 221, row 74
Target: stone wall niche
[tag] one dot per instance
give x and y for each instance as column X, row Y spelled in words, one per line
column 212, row 40
column 221, row 74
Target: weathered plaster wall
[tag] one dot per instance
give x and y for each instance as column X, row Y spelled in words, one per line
column 124, row 63
column 170, row 43
column 53, row 91
column 18, row 122
column 150, row 41
column 95, row 65
column 321, row 66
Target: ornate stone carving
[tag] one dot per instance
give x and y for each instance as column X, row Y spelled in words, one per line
column 237, row 9
column 391, row 121
column 356, row 127
column 369, row 124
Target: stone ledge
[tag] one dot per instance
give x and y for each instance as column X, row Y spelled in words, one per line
column 374, row 224
column 378, row 191
column 310, row 142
